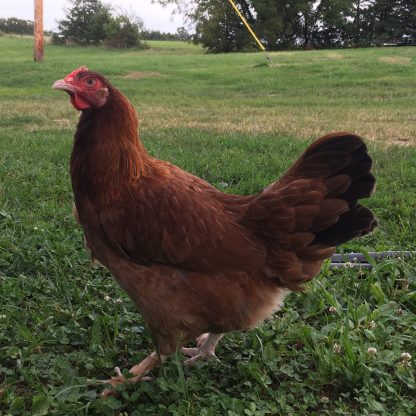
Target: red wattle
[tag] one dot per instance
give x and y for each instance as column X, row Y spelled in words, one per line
column 78, row 102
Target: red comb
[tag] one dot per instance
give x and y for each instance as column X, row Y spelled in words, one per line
column 73, row 74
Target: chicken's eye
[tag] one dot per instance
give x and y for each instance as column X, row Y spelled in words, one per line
column 90, row 82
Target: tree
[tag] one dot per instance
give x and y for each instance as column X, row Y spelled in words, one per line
column 333, row 18
column 218, row 28
column 392, row 19
column 360, row 30
column 182, row 34
column 280, row 24
column 407, row 17
column 274, row 23
column 286, row 24
column 85, row 21
column 305, row 24
column 92, row 22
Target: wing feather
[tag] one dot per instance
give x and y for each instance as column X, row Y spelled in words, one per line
column 179, row 221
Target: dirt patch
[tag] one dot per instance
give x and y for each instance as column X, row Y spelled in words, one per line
column 141, row 75
column 402, row 142
column 335, row 56
column 62, row 122
column 395, row 60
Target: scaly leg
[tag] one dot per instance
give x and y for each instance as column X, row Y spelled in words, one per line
column 205, row 349
column 138, row 371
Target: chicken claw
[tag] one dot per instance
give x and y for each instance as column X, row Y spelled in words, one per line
column 138, row 371
column 205, row 349
column 201, row 355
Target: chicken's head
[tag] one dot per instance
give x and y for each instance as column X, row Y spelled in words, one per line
column 87, row 89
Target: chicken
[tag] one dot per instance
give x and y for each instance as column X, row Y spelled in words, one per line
column 197, row 262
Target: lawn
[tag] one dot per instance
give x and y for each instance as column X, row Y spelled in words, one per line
column 237, row 122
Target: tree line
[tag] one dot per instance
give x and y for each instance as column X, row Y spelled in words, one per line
column 299, row 23
column 91, row 22
column 15, row 25
column 279, row 24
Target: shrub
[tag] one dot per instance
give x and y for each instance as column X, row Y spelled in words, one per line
column 122, row 32
column 57, row 39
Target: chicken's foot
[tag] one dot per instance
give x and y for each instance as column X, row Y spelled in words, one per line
column 191, row 352
column 204, row 350
column 138, row 371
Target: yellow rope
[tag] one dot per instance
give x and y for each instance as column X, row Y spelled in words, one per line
column 247, row 26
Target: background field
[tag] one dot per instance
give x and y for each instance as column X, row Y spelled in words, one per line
column 239, row 124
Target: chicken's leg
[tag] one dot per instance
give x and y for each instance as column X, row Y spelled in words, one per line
column 206, row 344
column 138, row 371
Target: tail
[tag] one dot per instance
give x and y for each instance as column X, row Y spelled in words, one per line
column 342, row 162
column 313, row 208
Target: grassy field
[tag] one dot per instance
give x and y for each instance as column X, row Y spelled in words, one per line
column 239, row 124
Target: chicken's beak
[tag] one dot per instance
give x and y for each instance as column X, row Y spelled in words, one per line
column 61, row 84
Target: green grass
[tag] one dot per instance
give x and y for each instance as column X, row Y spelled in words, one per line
column 239, row 124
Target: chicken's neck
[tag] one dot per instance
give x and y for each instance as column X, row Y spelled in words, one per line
column 107, row 156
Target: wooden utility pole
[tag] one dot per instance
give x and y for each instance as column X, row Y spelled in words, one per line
column 38, row 31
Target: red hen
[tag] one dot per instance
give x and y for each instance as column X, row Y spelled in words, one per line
column 196, row 261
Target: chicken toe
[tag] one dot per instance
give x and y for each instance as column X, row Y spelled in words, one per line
column 201, row 339
column 138, row 371
column 192, row 352
column 206, row 344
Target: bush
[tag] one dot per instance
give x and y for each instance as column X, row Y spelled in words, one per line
column 122, row 32
column 57, row 39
